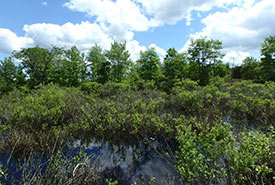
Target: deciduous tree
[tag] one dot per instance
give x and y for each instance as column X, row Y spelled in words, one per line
column 100, row 67
column 203, row 54
column 37, row 63
column 268, row 59
column 149, row 65
column 118, row 56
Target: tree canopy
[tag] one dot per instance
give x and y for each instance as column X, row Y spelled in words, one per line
column 203, row 54
column 202, row 62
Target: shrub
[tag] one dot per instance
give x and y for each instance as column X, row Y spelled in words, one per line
column 91, row 87
column 208, row 153
column 201, row 147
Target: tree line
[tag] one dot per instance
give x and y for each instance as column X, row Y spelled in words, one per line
column 258, row 70
column 202, row 62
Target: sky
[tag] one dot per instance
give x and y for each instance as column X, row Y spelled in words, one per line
column 241, row 25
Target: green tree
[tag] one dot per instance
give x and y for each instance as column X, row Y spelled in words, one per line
column 100, row 67
column 11, row 76
column 250, row 68
column 75, row 67
column 70, row 68
column 220, row 69
column 174, row 65
column 118, row 56
column 37, row 63
column 148, row 65
column 268, row 59
column 203, row 54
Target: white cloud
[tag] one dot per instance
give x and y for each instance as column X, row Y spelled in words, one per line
column 159, row 50
column 118, row 18
column 83, row 35
column 172, row 11
column 44, row 3
column 235, row 57
column 121, row 18
column 134, row 48
column 242, row 28
column 9, row 41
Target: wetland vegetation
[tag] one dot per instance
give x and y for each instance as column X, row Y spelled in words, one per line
column 203, row 120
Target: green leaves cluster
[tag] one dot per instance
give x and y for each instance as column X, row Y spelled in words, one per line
column 201, row 148
column 209, row 153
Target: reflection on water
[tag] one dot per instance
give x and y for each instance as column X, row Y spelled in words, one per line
column 125, row 163
column 131, row 163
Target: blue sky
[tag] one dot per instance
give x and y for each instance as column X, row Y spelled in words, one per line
column 241, row 25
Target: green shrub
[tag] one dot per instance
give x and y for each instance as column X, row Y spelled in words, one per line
column 91, row 87
column 112, row 88
column 208, row 153
column 250, row 159
column 186, row 84
column 46, row 107
column 201, row 146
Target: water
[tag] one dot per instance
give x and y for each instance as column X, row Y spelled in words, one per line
column 125, row 163
column 129, row 164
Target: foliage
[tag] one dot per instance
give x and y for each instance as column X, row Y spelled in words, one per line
column 250, row 159
column 110, row 182
column 148, row 65
column 174, row 67
column 11, row 76
column 268, row 58
column 250, row 68
column 209, row 152
column 203, row 54
column 207, row 148
column 69, row 68
column 187, row 84
column 259, row 71
column 201, row 146
column 49, row 106
column 236, row 72
column 118, row 56
column 91, row 87
column 37, row 63
column 179, row 103
column 100, row 67
column 59, row 168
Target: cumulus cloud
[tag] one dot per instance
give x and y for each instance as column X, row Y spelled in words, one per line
column 172, row 11
column 135, row 48
column 83, row 35
column 121, row 18
column 235, row 57
column 9, row 41
column 241, row 28
column 118, row 18
column 159, row 50
column 120, row 12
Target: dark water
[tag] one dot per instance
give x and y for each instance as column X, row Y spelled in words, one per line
column 125, row 163
column 131, row 163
